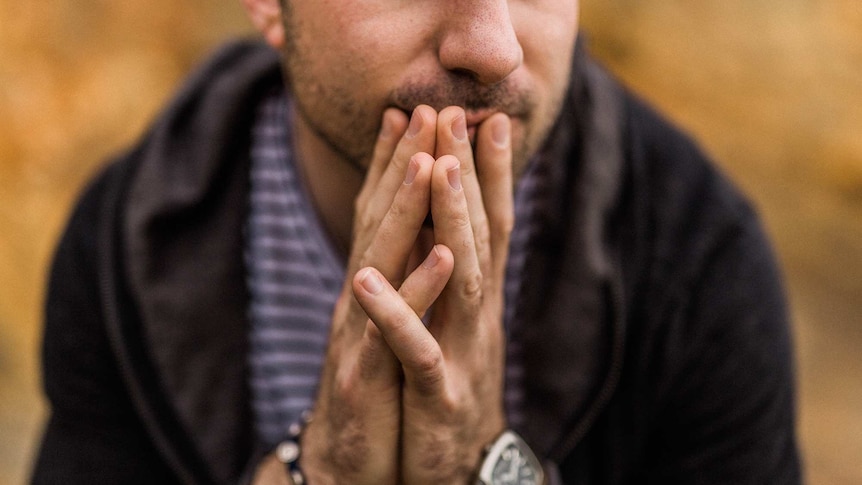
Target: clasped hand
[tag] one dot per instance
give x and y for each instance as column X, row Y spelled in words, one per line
column 402, row 401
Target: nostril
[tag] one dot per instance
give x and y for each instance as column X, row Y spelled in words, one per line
column 461, row 71
column 487, row 55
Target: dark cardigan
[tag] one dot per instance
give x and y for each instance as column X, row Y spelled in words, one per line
column 656, row 337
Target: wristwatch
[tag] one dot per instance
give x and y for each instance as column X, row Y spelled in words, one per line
column 509, row 461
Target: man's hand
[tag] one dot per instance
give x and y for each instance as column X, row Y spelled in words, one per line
column 354, row 435
column 452, row 400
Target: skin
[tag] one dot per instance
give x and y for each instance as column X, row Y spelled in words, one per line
column 406, row 109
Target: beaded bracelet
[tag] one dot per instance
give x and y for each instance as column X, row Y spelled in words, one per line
column 289, row 451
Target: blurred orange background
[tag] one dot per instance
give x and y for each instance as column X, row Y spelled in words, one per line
column 773, row 89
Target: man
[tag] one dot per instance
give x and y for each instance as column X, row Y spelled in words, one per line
column 628, row 323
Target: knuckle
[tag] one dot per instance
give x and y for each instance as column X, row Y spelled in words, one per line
column 470, row 289
column 504, row 225
column 361, row 232
column 460, row 220
column 428, row 364
column 362, row 200
column 367, row 258
column 397, row 211
column 397, row 163
column 345, row 387
column 482, row 236
column 400, row 322
column 364, row 222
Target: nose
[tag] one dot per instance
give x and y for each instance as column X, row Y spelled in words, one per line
column 478, row 38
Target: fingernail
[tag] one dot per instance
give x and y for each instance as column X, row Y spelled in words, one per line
column 371, row 282
column 459, row 128
column 500, row 133
column 454, row 176
column 412, row 170
column 415, row 124
column 432, row 259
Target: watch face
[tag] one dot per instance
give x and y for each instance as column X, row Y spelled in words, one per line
column 513, row 468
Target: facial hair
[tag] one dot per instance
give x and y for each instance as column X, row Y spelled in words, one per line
column 349, row 123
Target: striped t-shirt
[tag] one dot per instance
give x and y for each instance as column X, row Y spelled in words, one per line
column 295, row 277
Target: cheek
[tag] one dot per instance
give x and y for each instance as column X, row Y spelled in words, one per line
column 328, row 34
column 369, row 30
column 385, row 48
column 365, row 58
column 547, row 30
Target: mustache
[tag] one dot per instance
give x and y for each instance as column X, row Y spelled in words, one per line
column 462, row 90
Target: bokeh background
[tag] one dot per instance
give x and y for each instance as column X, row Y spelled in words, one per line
column 772, row 88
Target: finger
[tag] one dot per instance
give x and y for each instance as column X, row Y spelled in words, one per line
column 396, row 235
column 385, row 178
column 392, row 128
column 389, row 248
column 418, row 352
column 425, row 283
column 376, row 361
column 453, row 139
column 419, row 137
column 390, row 244
column 424, row 244
column 494, row 169
column 452, row 227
